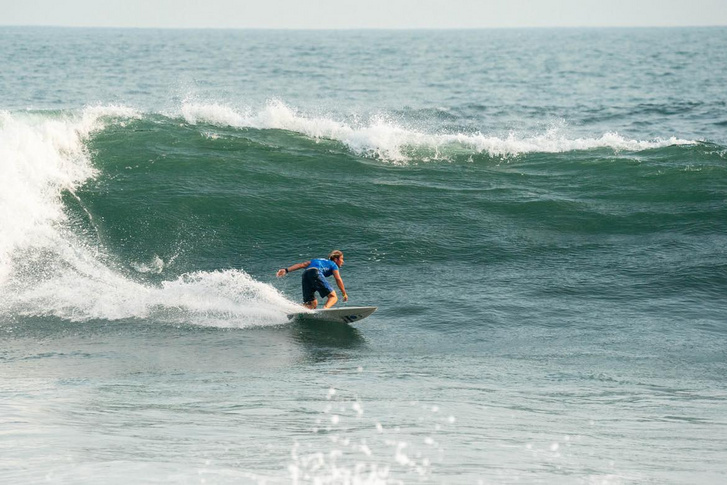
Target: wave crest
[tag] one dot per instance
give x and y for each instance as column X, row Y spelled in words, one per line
column 42, row 156
column 381, row 137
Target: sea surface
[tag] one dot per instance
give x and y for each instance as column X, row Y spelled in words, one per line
column 540, row 216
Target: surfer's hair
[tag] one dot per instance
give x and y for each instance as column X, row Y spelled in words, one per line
column 335, row 254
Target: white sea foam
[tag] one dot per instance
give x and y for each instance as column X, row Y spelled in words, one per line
column 47, row 267
column 90, row 290
column 40, row 157
column 381, row 137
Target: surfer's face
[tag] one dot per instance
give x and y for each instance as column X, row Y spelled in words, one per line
column 339, row 261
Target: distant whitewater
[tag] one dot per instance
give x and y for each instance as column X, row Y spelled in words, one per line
column 383, row 138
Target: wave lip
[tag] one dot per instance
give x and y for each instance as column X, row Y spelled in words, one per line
column 41, row 157
column 382, row 138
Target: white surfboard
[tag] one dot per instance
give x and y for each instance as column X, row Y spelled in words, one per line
column 351, row 314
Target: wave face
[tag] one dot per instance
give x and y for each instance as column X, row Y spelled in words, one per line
column 112, row 213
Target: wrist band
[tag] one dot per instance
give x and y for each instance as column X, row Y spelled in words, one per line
column 286, row 271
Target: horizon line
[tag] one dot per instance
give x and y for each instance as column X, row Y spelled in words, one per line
column 331, row 29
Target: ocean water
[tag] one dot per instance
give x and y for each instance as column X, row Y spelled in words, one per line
column 540, row 216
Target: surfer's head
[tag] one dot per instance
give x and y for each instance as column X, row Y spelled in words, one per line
column 337, row 257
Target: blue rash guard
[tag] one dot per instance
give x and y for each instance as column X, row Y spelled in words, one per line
column 325, row 266
column 314, row 279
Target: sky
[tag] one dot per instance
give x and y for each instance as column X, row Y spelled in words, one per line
column 363, row 14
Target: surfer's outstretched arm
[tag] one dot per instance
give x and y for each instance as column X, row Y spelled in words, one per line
column 283, row 271
column 339, row 282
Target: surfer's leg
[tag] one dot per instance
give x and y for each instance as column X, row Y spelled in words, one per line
column 310, row 277
column 324, row 289
column 332, row 299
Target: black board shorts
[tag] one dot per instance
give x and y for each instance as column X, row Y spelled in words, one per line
column 314, row 281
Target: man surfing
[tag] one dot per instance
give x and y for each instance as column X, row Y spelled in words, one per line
column 314, row 279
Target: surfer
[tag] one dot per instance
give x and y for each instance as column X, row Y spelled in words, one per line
column 314, row 279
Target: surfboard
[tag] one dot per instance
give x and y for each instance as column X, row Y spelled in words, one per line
column 349, row 314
